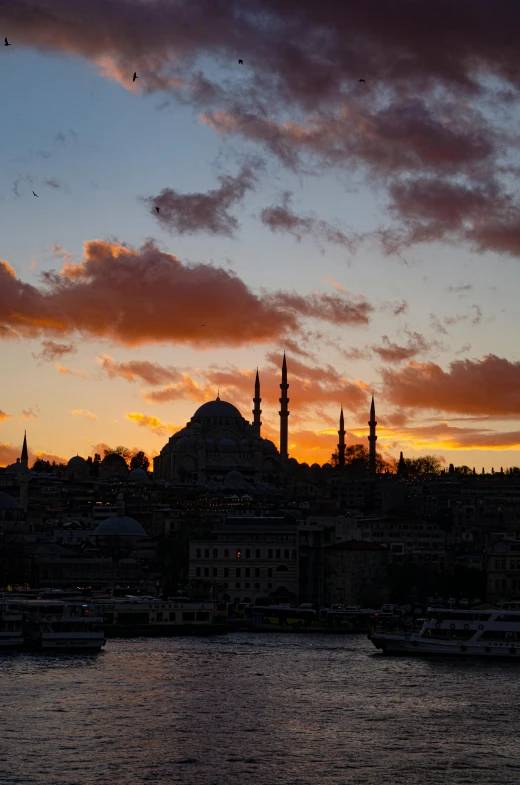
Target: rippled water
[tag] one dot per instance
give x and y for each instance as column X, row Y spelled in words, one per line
column 260, row 709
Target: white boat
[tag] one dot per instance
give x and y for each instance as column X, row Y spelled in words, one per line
column 476, row 632
column 149, row 616
column 52, row 625
column 11, row 635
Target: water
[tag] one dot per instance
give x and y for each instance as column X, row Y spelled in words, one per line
column 262, row 709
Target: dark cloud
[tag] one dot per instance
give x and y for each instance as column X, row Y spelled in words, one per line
column 391, row 352
column 52, row 351
column 281, row 218
column 426, row 123
column 203, row 212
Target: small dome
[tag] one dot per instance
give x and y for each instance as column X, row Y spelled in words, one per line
column 217, row 408
column 234, row 477
column 119, row 526
column 244, row 444
column 139, row 475
column 226, row 442
column 179, row 434
column 14, row 468
column 315, row 466
column 7, row 502
column 77, row 460
column 210, row 443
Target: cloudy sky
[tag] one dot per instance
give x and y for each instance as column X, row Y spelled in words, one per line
column 369, row 228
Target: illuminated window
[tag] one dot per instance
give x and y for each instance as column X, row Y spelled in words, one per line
column 239, row 553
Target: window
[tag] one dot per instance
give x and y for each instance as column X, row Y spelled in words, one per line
column 293, row 554
column 257, row 585
column 188, row 615
column 257, row 572
column 158, row 616
column 206, row 553
column 278, row 553
column 202, row 615
column 226, row 572
column 286, row 553
column 215, row 553
column 206, row 572
column 247, row 585
column 270, row 572
column 226, row 585
column 282, row 568
column 248, row 572
column 497, row 584
column 226, row 553
column 197, row 553
column 237, row 572
column 237, row 585
column 269, row 585
column 270, row 553
column 197, row 572
column 248, row 553
column 257, row 553
column 215, row 572
column 239, row 553
column 173, row 616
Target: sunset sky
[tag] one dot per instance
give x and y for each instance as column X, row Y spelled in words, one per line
column 371, row 229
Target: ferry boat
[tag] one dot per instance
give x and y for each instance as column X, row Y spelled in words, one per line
column 149, row 616
column 476, row 632
column 11, row 635
column 52, row 625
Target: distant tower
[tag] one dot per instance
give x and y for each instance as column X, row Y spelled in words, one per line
column 24, row 476
column 341, row 445
column 257, row 401
column 284, row 413
column 372, row 439
column 401, row 466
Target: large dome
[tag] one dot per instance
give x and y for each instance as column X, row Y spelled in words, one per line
column 119, row 526
column 217, row 408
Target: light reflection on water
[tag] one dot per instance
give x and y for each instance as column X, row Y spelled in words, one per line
column 262, row 709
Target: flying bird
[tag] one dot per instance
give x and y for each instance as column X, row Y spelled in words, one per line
column 35, row 195
column 241, row 62
column 135, row 76
column 157, row 208
column 7, row 42
column 363, row 80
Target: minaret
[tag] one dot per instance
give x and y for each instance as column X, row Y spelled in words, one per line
column 24, row 476
column 257, row 401
column 284, row 413
column 372, row 439
column 341, row 445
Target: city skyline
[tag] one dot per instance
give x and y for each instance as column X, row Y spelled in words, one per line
column 323, row 220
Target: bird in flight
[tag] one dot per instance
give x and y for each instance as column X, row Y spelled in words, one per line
column 135, row 76
column 35, row 195
column 202, row 325
column 7, row 42
column 363, row 80
column 241, row 62
column 157, row 208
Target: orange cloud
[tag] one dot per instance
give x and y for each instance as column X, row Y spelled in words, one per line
column 68, row 372
column 4, row 416
column 153, row 423
column 154, row 297
column 490, row 386
column 84, row 413
column 9, row 454
column 54, row 351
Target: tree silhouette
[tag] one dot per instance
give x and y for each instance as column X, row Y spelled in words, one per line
column 140, row 461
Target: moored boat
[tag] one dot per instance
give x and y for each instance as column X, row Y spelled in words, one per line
column 11, row 635
column 53, row 625
column 152, row 617
column 476, row 632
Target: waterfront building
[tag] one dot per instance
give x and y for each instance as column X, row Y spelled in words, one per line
column 356, row 573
